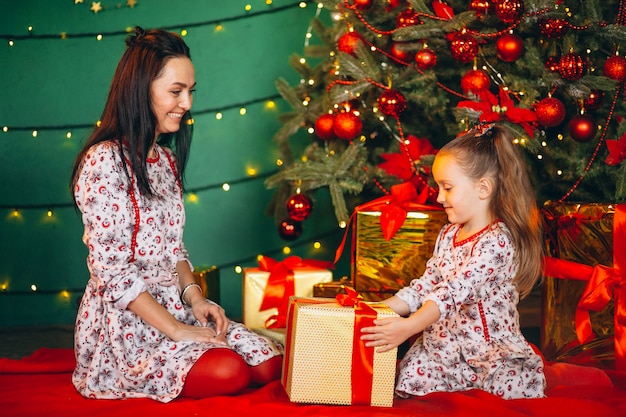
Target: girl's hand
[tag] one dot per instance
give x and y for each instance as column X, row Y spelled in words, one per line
column 204, row 309
column 388, row 333
column 198, row 334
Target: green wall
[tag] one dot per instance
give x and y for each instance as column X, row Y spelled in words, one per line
column 56, row 85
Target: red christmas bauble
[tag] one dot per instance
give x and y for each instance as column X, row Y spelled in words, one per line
column 400, row 51
column 391, row 103
column 347, row 125
column 347, row 42
column 464, row 47
column 553, row 28
column 475, row 81
column 290, row 229
column 324, row 126
column 615, row 68
column 550, row 112
column 481, row 7
column 552, row 64
column 299, row 207
column 572, row 67
column 509, row 11
column 363, row 4
column 425, row 58
column 406, row 18
column 594, row 100
column 509, row 47
column 582, row 128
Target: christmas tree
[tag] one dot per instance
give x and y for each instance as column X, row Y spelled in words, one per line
column 394, row 80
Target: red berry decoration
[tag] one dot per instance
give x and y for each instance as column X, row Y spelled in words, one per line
column 406, row 18
column 615, row 68
column 391, row 103
column 509, row 11
column 324, row 126
column 425, row 58
column 347, row 125
column 509, row 47
column 572, row 67
column 400, row 51
column 347, row 42
column 464, row 47
column 553, row 28
column 475, row 81
column 594, row 100
column 582, row 128
column 290, row 229
column 299, row 207
column 550, row 112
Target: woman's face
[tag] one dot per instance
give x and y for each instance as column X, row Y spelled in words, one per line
column 172, row 94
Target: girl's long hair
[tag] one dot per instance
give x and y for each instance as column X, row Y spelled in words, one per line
column 128, row 119
column 491, row 153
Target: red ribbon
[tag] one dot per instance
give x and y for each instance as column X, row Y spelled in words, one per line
column 603, row 284
column 362, row 356
column 280, row 285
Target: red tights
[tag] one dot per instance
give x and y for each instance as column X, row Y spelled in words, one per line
column 223, row 372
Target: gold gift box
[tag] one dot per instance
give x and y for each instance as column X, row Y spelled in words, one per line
column 380, row 267
column 255, row 281
column 318, row 354
column 331, row 289
column 581, row 233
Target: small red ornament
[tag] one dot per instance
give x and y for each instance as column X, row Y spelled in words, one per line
column 299, row 207
column 391, row 103
column 572, row 67
column 406, row 18
column 550, row 112
column 553, row 28
column 425, row 58
column 464, row 47
column 347, row 125
column 324, row 126
column 615, row 68
column 475, row 81
column 290, row 229
column 347, row 42
column 594, row 100
column 509, row 47
column 481, row 7
column 509, row 11
column 400, row 51
column 582, row 128
column 363, row 4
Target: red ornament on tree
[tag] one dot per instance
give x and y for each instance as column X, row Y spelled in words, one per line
column 290, row 229
column 582, row 128
column 509, row 47
column 550, row 112
column 324, row 126
column 363, row 4
column 481, row 7
column 594, row 100
column 615, row 68
column 509, row 11
column 552, row 64
column 391, row 103
column 425, row 58
column 347, row 125
column 475, row 81
column 299, row 207
column 406, row 18
column 572, row 67
column 464, row 47
column 400, row 51
column 347, row 42
column 553, row 28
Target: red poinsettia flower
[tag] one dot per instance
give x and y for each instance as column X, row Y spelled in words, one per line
column 617, row 150
column 399, row 164
column 493, row 108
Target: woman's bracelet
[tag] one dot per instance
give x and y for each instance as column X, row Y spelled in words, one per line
column 184, row 291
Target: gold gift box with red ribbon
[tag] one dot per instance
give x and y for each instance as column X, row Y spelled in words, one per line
column 267, row 288
column 584, row 292
column 393, row 239
column 325, row 361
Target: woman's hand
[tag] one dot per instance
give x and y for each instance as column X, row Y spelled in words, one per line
column 203, row 310
column 198, row 334
column 388, row 333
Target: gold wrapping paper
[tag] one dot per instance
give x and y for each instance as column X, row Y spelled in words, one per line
column 381, row 267
column 581, row 233
column 255, row 280
column 277, row 335
column 209, row 280
column 318, row 365
column 331, row 289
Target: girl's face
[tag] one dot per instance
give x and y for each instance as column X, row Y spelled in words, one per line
column 459, row 194
column 171, row 94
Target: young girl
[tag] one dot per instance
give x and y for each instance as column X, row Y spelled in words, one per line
column 484, row 260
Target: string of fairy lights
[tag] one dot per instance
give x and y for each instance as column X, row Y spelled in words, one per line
column 269, row 103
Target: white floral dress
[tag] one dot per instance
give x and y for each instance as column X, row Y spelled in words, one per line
column 477, row 341
column 134, row 245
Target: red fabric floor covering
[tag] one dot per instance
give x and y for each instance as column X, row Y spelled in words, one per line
column 40, row 385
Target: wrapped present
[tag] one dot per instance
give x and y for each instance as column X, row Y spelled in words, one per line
column 267, row 289
column 277, row 335
column 331, row 289
column 325, row 360
column 584, row 296
column 209, row 280
column 393, row 238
